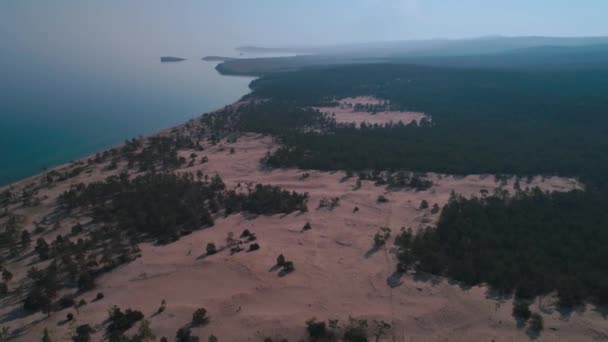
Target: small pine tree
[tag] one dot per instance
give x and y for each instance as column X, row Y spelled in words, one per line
column 280, row 260
column 307, row 226
column 521, row 311
column 536, row 322
column 211, row 249
column 46, row 336
column 7, row 275
column 199, row 316
column 424, row 204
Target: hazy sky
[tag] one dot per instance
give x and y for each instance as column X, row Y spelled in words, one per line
column 195, row 27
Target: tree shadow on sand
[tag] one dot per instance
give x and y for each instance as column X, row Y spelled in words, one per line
column 394, row 280
column 371, row 251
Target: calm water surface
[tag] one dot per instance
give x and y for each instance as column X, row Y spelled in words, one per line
column 54, row 112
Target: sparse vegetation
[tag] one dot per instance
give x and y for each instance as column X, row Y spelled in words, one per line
column 381, row 199
column 211, row 249
column 381, row 236
column 199, row 316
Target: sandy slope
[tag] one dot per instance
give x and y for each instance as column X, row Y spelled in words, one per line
column 337, row 274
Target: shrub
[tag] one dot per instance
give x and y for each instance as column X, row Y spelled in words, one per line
column 211, row 249
column 183, row 334
column 69, row 317
column 3, row 289
column 199, row 316
column 356, row 331
column 521, row 311
column 7, row 275
column 536, row 322
column 99, row 296
column 46, row 336
column 424, row 204
column 212, row 338
column 280, row 260
column 83, row 333
column 66, row 302
column 355, row 209
column 307, row 226
column 435, row 208
column 254, row 247
column 86, row 281
column 76, row 229
column 381, row 236
column 245, row 233
column 382, row 199
column 316, row 330
column 120, row 322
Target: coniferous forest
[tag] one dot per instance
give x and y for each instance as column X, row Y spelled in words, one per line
column 523, row 122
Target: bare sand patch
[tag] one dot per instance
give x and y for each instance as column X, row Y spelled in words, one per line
column 337, row 273
column 349, row 110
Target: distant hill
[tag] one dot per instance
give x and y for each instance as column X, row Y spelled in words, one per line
column 435, row 47
column 217, row 58
column 489, row 52
column 167, row 59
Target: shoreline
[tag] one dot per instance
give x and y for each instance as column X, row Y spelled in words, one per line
column 60, row 165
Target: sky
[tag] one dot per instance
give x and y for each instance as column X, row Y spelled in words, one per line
column 196, row 27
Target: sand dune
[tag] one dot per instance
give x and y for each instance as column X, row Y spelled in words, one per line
column 338, row 273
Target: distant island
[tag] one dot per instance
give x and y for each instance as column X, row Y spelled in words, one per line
column 167, row 59
column 217, row 58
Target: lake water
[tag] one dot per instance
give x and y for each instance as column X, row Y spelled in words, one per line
column 52, row 112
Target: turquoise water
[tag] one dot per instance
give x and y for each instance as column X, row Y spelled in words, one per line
column 54, row 111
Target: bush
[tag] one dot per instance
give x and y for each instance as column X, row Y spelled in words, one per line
column 254, row 247
column 69, row 317
column 536, row 323
column 199, row 316
column 66, row 302
column 3, row 289
column 183, row 334
column 382, row 199
column 86, row 281
column 245, row 233
column 83, row 333
column 211, row 249
column 521, row 311
column 307, row 226
column 435, row 209
column 280, row 260
column 356, row 331
column 121, row 322
column 76, row 229
column 424, row 204
column 381, row 236
column 99, row 296
column 316, row 330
